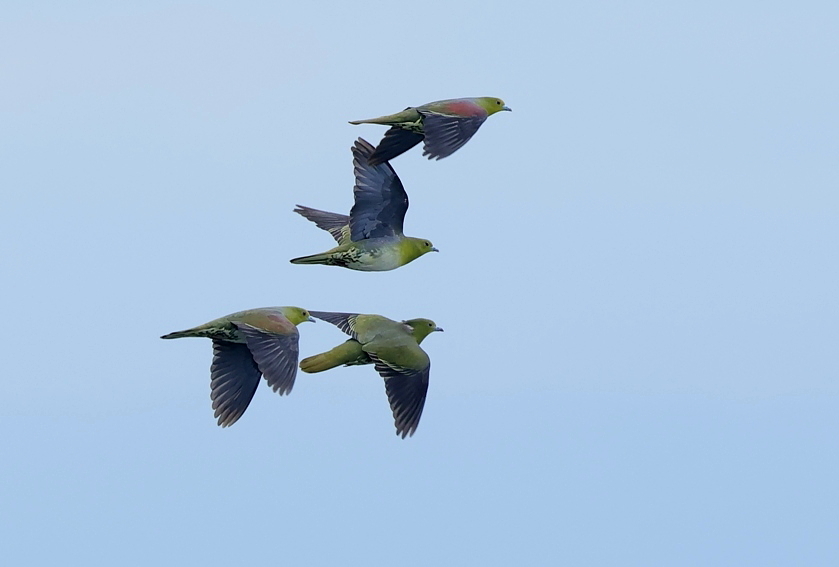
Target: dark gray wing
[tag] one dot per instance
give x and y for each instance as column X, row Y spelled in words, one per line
column 444, row 135
column 406, row 391
column 380, row 199
column 344, row 321
column 276, row 355
column 395, row 142
column 234, row 377
column 336, row 225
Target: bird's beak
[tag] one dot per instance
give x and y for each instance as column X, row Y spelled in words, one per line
column 434, row 249
column 438, row 329
column 312, row 319
column 507, row 108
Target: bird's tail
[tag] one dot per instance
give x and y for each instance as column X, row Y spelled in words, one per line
column 349, row 352
column 182, row 334
column 384, row 120
column 408, row 115
column 313, row 259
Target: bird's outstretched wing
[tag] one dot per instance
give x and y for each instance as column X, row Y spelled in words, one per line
column 234, row 376
column 406, row 391
column 336, row 225
column 344, row 321
column 275, row 355
column 380, row 198
column 445, row 134
column 396, row 141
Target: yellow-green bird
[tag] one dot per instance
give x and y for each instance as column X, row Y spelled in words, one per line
column 445, row 125
column 370, row 239
column 393, row 348
column 247, row 345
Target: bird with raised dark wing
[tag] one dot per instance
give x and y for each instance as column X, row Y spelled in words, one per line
column 444, row 125
column 247, row 345
column 393, row 347
column 370, row 239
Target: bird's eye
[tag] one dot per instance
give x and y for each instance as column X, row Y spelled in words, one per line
column 428, row 244
column 497, row 102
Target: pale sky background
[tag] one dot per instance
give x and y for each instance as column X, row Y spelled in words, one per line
column 638, row 281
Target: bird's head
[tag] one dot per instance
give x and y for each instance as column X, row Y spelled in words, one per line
column 413, row 248
column 492, row 105
column 422, row 328
column 296, row 315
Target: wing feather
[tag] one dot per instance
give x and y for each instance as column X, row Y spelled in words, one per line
column 234, row 376
column 380, row 198
column 275, row 354
column 344, row 321
column 396, row 141
column 406, row 390
column 335, row 224
column 445, row 134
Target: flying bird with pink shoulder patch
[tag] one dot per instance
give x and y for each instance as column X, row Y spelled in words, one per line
column 444, row 126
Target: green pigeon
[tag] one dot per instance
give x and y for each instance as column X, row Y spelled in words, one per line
column 247, row 345
column 445, row 126
column 393, row 348
column 370, row 239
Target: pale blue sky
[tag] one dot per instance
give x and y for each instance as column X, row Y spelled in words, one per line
column 638, row 281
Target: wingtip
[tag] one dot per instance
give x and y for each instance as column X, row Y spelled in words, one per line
column 362, row 144
column 283, row 390
column 405, row 433
column 226, row 420
column 323, row 315
column 364, row 153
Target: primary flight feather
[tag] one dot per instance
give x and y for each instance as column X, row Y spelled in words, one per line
column 444, row 125
column 393, row 347
column 370, row 239
column 246, row 346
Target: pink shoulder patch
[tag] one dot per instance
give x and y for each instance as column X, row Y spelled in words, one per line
column 465, row 108
column 279, row 322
